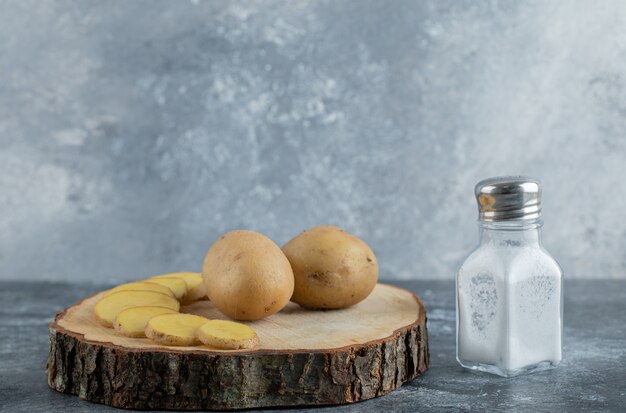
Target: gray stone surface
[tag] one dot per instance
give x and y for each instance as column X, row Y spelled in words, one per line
column 133, row 133
column 590, row 378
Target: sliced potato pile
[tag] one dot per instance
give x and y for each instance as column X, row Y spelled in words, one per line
column 195, row 285
column 141, row 286
column 132, row 322
column 227, row 335
column 110, row 306
column 150, row 308
column 175, row 329
column 178, row 286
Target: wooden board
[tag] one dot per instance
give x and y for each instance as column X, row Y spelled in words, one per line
column 305, row 358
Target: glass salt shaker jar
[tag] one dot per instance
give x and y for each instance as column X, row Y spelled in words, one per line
column 509, row 290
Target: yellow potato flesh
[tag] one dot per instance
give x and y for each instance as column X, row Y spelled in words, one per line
column 227, row 335
column 178, row 286
column 108, row 308
column 195, row 284
column 175, row 329
column 141, row 286
column 132, row 322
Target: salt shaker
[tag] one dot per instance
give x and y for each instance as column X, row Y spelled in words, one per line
column 509, row 290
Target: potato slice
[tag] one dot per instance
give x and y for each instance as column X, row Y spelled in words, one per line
column 141, row 286
column 195, row 285
column 110, row 306
column 175, row 329
column 178, row 286
column 132, row 322
column 227, row 335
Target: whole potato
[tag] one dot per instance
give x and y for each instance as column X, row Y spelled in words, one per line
column 331, row 268
column 247, row 276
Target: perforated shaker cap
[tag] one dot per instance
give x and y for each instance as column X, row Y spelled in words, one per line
column 508, row 198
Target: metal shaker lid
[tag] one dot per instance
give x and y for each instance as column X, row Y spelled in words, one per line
column 508, row 197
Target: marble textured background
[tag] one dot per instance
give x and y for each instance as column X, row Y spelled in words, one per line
column 133, row 133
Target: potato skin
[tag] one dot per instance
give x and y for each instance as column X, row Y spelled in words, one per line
column 247, row 276
column 331, row 268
